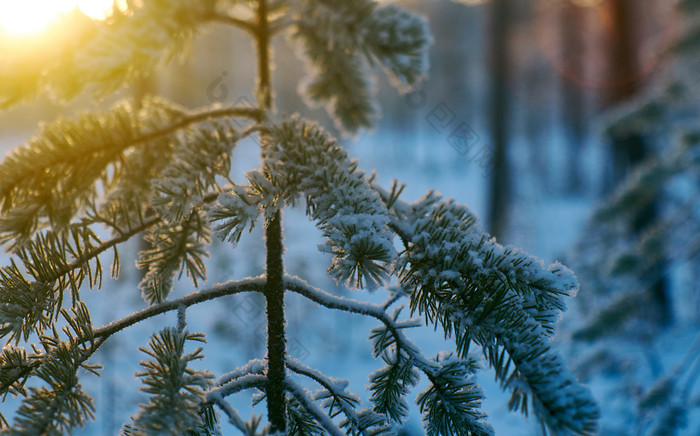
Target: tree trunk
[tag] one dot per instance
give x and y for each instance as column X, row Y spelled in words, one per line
column 276, row 341
column 499, row 183
column 274, row 289
column 630, row 149
column 573, row 104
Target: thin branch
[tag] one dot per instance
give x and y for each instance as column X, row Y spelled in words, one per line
column 397, row 207
column 233, row 417
column 302, row 396
column 198, row 117
column 398, row 294
column 330, row 385
column 279, row 25
column 256, row 284
column 314, row 374
column 82, row 260
column 103, row 333
column 255, row 366
column 246, row 382
column 233, row 21
column 123, row 237
column 22, row 372
column 325, row 299
column 194, row 118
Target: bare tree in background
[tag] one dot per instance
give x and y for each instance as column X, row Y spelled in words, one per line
column 499, row 184
column 630, row 148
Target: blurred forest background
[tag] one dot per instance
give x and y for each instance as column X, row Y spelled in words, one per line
column 568, row 126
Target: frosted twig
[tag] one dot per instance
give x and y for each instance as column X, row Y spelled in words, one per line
column 256, row 284
column 255, row 366
column 302, row 395
column 336, row 387
column 233, row 417
column 323, row 298
column 237, row 385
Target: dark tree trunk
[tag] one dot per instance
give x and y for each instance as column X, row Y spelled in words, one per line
column 630, row 149
column 499, row 183
column 276, row 341
column 573, row 102
column 274, row 288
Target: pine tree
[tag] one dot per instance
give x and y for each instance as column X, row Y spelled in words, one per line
column 622, row 262
column 163, row 171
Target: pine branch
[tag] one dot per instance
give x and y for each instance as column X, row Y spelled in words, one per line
column 335, row 395
column 63, row 405
column 300, row 422
column 176, row 390
column 27, row 306
column 199, row 157
column 478, row 290
column 106, row 245
column 304, row 398
column 233, row 21
column 233, row 417
column 451, row 405
column 245, row 377
column 181, row 246
column 300, row 159
column 391, row 384
column 17, row 365
column 403, row 345
column 340, row 38
column 49, row 153
column 236, row 385
column 230, row 288
column 103, row 333
column 34, row 191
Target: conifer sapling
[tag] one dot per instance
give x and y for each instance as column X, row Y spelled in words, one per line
column 162, row 170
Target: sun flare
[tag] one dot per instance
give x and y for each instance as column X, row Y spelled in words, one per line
column 31, row 17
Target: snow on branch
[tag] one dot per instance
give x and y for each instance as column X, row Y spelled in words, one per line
column 55, row 176
column 300, row 160
column 18, row 365
column 176, row 391
column 174, row 247
column 255, row 366
column 256, row 284
column 233, row 416
column 57, row 367
column 305, row 399
column 336, row 398
column 199, row 156
column 477, row 290
column 451, row 404
column 236, row 385
column 339, row 38
column 391, row 336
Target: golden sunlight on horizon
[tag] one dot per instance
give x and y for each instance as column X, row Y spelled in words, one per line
column 32, row 17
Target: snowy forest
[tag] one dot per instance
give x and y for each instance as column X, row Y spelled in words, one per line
column 312, row 217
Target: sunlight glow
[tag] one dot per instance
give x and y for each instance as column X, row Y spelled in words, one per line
column 31, row 17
